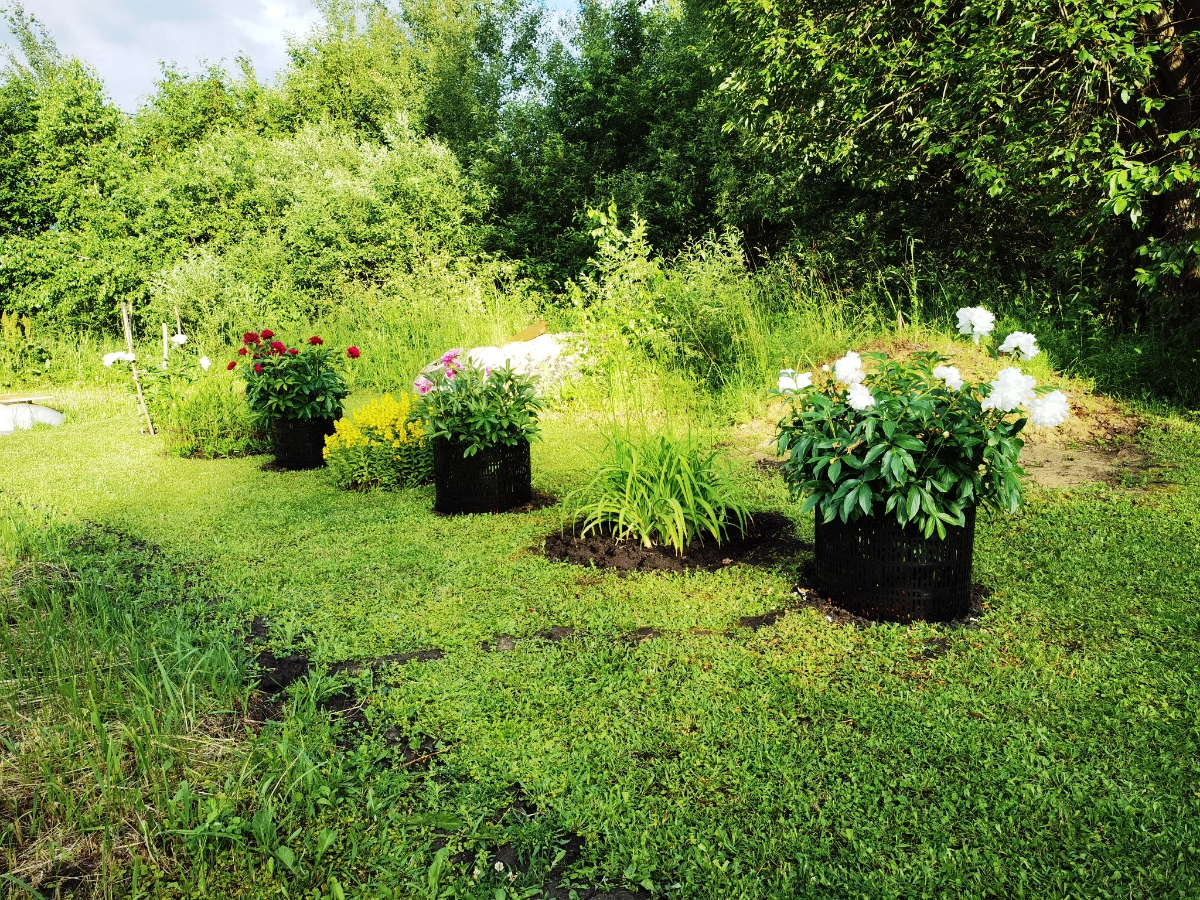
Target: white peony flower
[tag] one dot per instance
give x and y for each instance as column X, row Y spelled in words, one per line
column 205, row 362
column 950, row 375
column 976, row 322
column 1021, row 341
column 848, row 369
column 110, row 358
column 179, row 340
column 790, row 381
column 1050, row 410
column 859, row 397
column 1010, row 390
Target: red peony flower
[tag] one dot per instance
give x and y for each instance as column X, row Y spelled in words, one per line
column 315, row 341
column 251, row 337
column 293, row 351
column 232, row 365
column 258, row 368
column 267, row 334
column 241, row 351
column 353, row 352
column 278, row 346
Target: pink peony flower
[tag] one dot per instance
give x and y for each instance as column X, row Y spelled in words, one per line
column 422, row 385
column 450, row 356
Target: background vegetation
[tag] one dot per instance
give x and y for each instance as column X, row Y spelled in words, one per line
column 419, row 158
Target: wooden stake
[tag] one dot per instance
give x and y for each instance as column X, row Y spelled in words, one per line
column 145, row 410
column 178, row 322
column 166, row 341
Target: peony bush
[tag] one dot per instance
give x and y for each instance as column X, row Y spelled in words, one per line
column 912, row 439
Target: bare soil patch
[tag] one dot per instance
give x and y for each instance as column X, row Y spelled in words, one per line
column 769, row 537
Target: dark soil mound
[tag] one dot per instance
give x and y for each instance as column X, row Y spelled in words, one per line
column 769, row 537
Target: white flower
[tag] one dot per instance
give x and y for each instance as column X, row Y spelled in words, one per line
column 976, row 322
column 825, row 368
column 790, row 381
column 1024, row 342
column 1050, row 410
column 1010, row 390
column 859, row 397
column 849, row 370
column 110, row 358
column 179, row 340
column 205, row 362
column 950, row 375
column 499, row 866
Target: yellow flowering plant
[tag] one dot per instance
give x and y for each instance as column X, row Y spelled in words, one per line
column 380, row 445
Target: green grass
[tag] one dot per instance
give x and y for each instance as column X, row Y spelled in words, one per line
column 1051, row 753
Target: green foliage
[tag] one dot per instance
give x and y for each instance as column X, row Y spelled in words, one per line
column 380, row 445
column 474, row 409
column 944, row 95
column 660, row 489
column 202, row 414
column 284, row 382
column 922, row 451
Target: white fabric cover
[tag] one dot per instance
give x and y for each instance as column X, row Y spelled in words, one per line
column 26, row 415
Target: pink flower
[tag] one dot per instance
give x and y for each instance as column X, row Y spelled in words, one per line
column 258, row 368
column 422, row 385
column 450, row 372
column 450, row 356
column 487, row 371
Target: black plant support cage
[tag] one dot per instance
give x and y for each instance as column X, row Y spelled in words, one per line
column 494, row 479
column 300, row 443
column 879, row 570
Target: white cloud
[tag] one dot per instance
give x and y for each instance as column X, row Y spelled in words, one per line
column 126, row 39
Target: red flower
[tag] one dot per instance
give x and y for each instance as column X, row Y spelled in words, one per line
column 353, row 352
column 232, row 365
column 315, row 341
column 258, row 368
column 293, row 352
column 251, row 337
column 267, row 333
column 278, row 346
column 241, row 351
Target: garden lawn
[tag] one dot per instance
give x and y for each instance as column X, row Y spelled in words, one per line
column 1052, row 752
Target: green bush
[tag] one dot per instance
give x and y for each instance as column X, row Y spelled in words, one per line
column 379, row 445
column 201, row 413
column 660, row 490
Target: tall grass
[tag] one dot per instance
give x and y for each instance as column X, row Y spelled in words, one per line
column 107, row 710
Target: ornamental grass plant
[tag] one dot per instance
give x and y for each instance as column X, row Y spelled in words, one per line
column 660, row 490
column 380, row 445
column 911, row 438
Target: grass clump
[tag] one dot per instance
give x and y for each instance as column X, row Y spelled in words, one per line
column 380, row 445
column 662, row 489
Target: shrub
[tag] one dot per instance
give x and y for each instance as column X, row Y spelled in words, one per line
column 201, row 413
column 477, row 408
column 290, row 382
column 380, row 445
column 660, row 490
column 911, row 437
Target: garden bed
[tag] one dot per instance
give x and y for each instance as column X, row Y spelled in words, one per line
column 770, row 537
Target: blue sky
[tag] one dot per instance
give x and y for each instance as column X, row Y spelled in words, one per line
column 126, row 39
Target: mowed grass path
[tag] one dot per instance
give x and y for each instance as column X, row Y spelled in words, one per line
column 1051, row 753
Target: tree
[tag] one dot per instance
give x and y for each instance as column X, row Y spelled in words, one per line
column 1075, row 111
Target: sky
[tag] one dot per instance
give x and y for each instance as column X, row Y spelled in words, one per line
column 125, row 39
